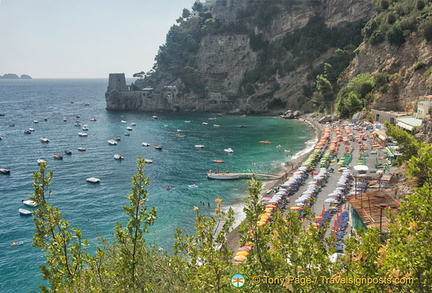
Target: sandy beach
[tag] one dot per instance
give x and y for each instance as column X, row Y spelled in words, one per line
column 293, row 164
column 355, row 143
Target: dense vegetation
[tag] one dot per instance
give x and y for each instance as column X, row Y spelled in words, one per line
column 398, row 19
column 284, row 248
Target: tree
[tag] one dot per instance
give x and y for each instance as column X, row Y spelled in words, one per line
column 186, row 13
column 132, row 245
column 205, row 256
column 66, row 249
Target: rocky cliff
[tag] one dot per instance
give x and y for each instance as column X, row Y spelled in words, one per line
column 315, row 55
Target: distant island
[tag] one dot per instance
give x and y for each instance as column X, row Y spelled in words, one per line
column 15, row 76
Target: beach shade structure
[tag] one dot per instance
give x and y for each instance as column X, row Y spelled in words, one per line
column 245, row 248
column 243, row 252
column 296, row 208
column 240, row 258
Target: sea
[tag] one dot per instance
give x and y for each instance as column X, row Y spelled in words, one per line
column 52, row 107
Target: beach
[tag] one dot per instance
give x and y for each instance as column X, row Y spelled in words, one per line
column 360, row 145
column 291, row 165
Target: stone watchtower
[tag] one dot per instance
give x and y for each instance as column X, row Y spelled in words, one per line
column 117, row 82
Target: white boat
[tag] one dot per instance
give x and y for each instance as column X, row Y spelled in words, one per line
column 44, row 139
column 145, row 144
column 81, row 149
column 85, row 128
column 148, row 161
column 229, row 150
column 112, row 142
column 64, row 119
column 204, row 123
column 29, row 202
column 216, row 125
column 129, row 128
column 82, row 134
column 93, row 119
column 199, row 145
column 123, row 121
column 35, row 121
column 24, row 212
column 133, row 124
column 31, row 129
column 155, row 117
column 118, row 157
column 93, row 180
column 223, row 176
column 40, row 161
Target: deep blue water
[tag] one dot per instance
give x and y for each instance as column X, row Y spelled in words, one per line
column 96, row 208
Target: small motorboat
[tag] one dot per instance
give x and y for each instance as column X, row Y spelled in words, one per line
column 127, row 134
column 44, row 139
column 29, row 202
column 204, row 123
column 129, row 128
column 40, row 161
column 146, row 144
column 5, row 171
column 77, row 124
column 85, row 128
column 133, row 124
column 93, row 119
column 155, row 117
column 199, row 145
column 67, row 152
column 180, row 135
column 24, row 212
column 31, row 129
column 158, row 147
column 93, row 180
column 123, row 121
column 265, row 141
column 35, row 121
column 27, row 132
column 118, row 157
column 148, row 161
column 169, row 187
column 64, row 119
column 193, row 186
column 17, row 243
column 218, row 161
column 216, row 125
column 229, row 150
column 78, row 116
column 82, row 134
column 112, row 142
column 81, row 149
column 117, row 138
column 58, row 157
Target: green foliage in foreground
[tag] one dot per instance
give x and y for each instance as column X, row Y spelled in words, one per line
column 202, row 262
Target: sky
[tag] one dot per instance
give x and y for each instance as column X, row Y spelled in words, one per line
column 83, row 38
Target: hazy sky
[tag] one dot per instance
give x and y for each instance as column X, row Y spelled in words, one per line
column 83, row 38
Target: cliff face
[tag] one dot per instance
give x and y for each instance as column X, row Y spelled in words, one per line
column 252, row 59
column 405, row 65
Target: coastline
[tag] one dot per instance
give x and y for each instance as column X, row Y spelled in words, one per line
column 293, row 164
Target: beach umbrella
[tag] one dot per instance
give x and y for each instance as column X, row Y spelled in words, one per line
column 330, row 200
column 296, row 208
column 245, row 248
column 243, row 252
column 271, row 206
column 240, row 258
column 318, row 218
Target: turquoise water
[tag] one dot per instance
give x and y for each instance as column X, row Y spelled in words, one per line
column 96, row 208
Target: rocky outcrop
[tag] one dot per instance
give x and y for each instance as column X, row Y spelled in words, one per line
column 226, row 60
column 404, row 66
